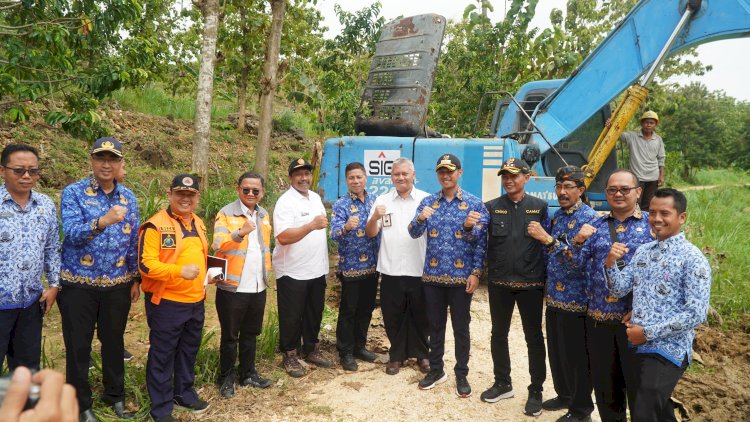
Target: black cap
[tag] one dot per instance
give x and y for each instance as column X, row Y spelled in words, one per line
column 185, row 182
column 107, row 144
column 569, row 173
column 514, row 166
column 448, row 161
column 299, row 163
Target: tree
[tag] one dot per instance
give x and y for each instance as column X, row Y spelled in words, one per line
column 210, row 11
column 268, row 85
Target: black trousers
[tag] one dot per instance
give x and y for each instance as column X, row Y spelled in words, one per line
column 21, row 336
column 649, row 189
column 404, row 317
column 612, row 369
column 241, row 320
column 438, row 299
column 300, row 305
column 657, row 378
column 355, row 313
column 502, row 302
column 82, row 310
column 175, row 337
column 568, row 360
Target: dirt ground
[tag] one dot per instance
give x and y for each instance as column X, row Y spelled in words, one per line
column 718, row 389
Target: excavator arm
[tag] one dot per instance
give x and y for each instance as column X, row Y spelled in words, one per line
column 653, row 30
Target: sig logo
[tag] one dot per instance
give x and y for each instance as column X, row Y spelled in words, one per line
column 380, row 162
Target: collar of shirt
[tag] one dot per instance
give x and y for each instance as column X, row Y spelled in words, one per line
column 299, row 195
column 459, row 194
column 95, row 186
column 246, row 211
column 5, row 196
column 666, row 243
column 412, row 194
column 187, row 224
column 574, row 208
column 638, row 214
column 353, row 196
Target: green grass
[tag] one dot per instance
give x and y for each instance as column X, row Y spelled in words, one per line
column 153, row 100
column 719, row 224
column 712, row 177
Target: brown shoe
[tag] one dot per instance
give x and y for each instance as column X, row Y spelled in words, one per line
column 292, row 365
column 424, row 365
column 316, row 358
column 392, row 368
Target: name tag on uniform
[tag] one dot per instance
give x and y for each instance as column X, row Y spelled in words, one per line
column 387, row 220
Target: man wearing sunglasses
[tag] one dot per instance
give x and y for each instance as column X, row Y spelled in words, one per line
column 29, row 247
column 99, row 274
column 610, row 355
column 567, row 299
column 242, row 236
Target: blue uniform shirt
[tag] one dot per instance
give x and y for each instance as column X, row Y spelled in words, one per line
column 98, row 258
column 671, row 285
column 358, row 254
column 452, row 253
column 29, row 246
column 566, row 285
column 633, row 232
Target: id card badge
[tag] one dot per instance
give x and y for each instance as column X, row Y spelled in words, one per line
column 387, row 220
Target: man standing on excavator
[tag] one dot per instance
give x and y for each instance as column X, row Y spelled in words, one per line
column 647, row 156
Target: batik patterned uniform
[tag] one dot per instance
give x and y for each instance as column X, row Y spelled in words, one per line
column 86, row 249
column 358, row 254
column 566, row 285
column 452, row 253
column 29, row 246
column 671, row 284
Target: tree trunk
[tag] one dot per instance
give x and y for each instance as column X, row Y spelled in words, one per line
column 242, row 94
column 268, row 86
column 210, row 10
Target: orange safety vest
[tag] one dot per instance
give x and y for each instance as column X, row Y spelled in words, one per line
column 168, row 253
column 228, row 220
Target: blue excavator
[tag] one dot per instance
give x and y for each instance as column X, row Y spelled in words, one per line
column 548, row 124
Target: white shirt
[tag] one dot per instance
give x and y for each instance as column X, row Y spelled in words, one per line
column 399, row 254
column 308, row 258
column 252, row 271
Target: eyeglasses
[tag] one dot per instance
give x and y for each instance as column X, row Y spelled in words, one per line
column 566, row 187
column 623, row 190
column 246, row 191
column 20, row 171
column 101, row 159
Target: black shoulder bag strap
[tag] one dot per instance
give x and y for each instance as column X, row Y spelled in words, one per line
column 613, row 236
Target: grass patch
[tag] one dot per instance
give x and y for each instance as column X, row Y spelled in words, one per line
column 320, row 410
column 153, row 100
column 719, row 224
column 712, row 177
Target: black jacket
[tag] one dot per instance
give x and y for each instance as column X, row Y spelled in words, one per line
column 515, row 259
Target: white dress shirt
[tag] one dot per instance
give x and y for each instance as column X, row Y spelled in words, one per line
column 252, row 271
column 307, row 258
column 399, row 254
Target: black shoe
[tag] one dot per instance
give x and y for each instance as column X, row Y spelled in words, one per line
column 463, row 389
column 255, row 380
column 197, row 407
column 555, row 404
column 127, row 356
column 227, row 387
column 348, row 363
column 167, row 418
column 365, row 355
column 497, row 392
column 88, row 416
column 533, row 404
column 119, row 409
column 569, row 417
column 432, row 379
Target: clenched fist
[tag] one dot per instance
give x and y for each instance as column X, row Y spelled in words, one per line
column 425, row 214
column 537, row 232
column 471, row 219
column 246, row 228
column 189, row 272
column 587, row 230
column 319, row 222
column 352, row 223
column 115, row 214
column 379, row 212
column 617, row 251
